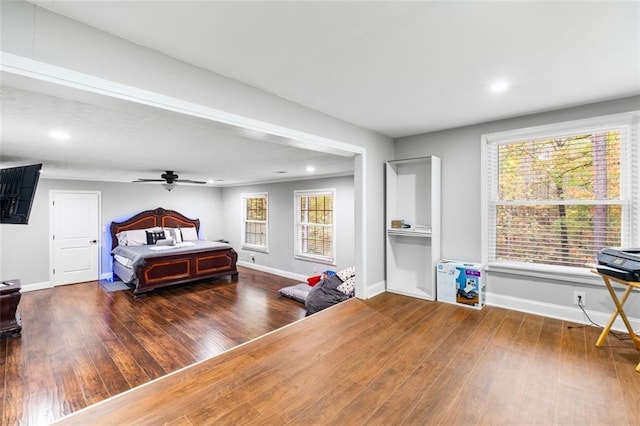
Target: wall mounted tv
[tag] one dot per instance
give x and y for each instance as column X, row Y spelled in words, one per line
column 17, row 189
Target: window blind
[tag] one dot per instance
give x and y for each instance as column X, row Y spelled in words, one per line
column 557, row 199
column 255, row 221
column 315, row 225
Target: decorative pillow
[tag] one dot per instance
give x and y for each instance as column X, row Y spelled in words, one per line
column 153, row 236
column 173, row 233
column 348, row 287
column 166, row 242
column 168, row 233
column 134, row 237
column 189, row 234
column 297, row 292
column 345, row 274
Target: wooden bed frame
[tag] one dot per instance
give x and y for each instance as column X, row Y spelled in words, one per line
column 180, row 268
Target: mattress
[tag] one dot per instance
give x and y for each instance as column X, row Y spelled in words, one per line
column 125, row 273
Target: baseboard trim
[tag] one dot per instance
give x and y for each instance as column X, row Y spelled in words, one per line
column 375, row 289
column 274, row 271
column 565, row 313
column 35, row 286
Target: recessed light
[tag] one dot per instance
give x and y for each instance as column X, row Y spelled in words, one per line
column 499, row 86
column 310, row 169
column 59, row 135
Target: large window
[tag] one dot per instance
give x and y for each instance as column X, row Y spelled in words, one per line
column 556, row 195
column 255, row 224
column 315, row 225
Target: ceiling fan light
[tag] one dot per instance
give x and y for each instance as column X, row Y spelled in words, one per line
column 169, row 185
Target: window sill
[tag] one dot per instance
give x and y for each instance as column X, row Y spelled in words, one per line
column 556, row 273
column 256, row 249
column 315, row 259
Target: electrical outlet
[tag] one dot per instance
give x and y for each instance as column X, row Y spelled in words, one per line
column 579, row 298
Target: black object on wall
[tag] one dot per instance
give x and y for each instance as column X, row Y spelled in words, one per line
column 17, row 190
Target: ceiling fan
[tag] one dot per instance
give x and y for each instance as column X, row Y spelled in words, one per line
column 169, row 180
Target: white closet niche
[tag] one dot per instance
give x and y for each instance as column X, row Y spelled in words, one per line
column 413, row 250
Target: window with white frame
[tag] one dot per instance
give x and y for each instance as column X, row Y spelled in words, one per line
column 315, row 225
column 555, row 195
column 255, row 222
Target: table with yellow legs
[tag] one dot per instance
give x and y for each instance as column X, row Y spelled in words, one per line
column 629, row 286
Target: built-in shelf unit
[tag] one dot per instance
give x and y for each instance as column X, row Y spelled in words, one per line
column 413, row 198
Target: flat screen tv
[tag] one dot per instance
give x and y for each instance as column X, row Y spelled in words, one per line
column 17, row 189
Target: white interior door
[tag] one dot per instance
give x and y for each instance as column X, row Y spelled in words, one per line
column 75, row 219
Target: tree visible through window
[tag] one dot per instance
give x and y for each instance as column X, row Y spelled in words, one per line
column 559, row 200
column 255, row 225
column 315, row 225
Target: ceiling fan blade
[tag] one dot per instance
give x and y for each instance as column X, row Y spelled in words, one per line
column 170, row 177
column 191, row 181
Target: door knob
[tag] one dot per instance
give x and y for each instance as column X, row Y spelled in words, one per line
column 93, row 241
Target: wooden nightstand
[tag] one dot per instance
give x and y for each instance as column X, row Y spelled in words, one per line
column 9, row 299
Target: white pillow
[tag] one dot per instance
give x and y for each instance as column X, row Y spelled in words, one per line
column 122, row 238
column 166, row 242
column 137, row 237
column 173, row 233
column 133, row 237
column 189, row 234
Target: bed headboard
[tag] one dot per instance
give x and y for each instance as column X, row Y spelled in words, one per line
column 152, row 219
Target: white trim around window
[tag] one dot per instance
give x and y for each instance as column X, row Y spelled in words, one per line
column 315, row 226
column 628, row 200
column 255, row 221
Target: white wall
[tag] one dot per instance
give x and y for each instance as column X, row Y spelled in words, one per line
column 38, row 34
column 25, row 248
column 461, row 221
column 281, row 229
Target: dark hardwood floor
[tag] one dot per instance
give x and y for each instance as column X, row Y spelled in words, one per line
column 388, row 360
column 81, row 345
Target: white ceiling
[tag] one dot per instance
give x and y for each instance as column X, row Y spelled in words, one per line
column 114, row 140
column 398, row 68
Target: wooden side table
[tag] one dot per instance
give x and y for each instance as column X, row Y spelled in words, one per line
column 9, row 299
column 630, row 285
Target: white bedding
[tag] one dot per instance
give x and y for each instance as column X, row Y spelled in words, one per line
column 175, row 246
column 135, row 255
column 123, row 260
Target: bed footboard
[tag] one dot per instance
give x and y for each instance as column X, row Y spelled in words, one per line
column 170, row 270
